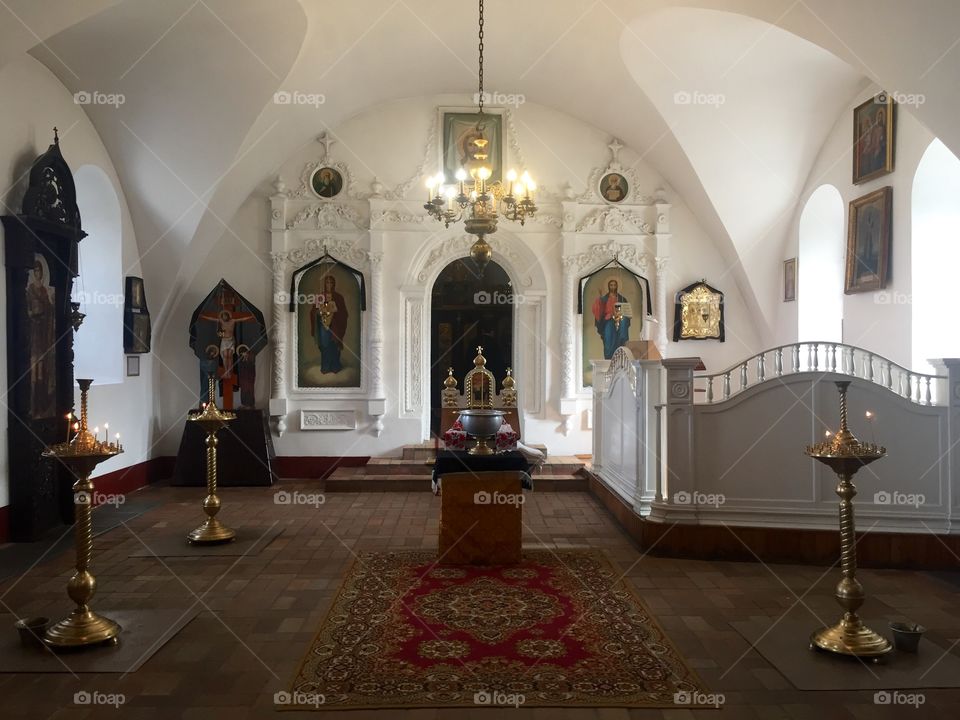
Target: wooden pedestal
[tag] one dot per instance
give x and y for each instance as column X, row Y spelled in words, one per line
column 481, row 519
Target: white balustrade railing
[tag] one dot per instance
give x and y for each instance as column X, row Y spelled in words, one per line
column 821, row 357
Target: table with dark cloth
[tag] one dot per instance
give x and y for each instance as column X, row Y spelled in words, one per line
column 461, row 461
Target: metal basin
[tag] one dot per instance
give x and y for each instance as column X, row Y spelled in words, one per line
column 481, row 423
column 906, row 636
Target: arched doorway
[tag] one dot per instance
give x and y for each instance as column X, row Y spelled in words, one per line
column 468, row 309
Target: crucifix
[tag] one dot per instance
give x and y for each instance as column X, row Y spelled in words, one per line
column 325, row 140
column 227, row 319
column 615, row 148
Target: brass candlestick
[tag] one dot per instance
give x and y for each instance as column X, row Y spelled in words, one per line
column 844, row 454
column 212, row 419
column 81, row 455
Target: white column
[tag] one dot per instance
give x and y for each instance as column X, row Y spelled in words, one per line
column 280, row 319
column 568, row 346
column 280, row 311
column 567, row 338
column 660, row 305
column 376, row 405
column 951, row 368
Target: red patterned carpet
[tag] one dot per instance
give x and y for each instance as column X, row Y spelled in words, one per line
column 559, row 630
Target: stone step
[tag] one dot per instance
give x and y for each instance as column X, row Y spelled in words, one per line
column 415, row 483
column 400, row 467
column 427, row 451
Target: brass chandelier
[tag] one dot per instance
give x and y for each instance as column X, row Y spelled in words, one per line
column 472, row 198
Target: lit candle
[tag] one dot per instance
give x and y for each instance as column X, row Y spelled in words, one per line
column 96, row 431
column 106, row 432
column 870, row 416
column 118, row 441
column 69, row 424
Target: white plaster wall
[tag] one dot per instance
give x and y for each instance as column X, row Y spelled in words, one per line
column 880, row 322
column 35, row 101
column 388, row 142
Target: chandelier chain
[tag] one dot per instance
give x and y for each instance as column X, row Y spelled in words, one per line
column 480, row 95
column 480, row 196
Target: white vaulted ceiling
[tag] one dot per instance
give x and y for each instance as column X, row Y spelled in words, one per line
column 750, row 104
column 199, row 131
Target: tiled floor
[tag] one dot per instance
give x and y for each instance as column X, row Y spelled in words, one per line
column 259, row 613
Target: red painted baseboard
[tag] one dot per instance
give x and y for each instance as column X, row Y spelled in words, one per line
column 314, row 468
column 118, row 482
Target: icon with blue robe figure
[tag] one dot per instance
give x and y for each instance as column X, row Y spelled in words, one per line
column 611, row 317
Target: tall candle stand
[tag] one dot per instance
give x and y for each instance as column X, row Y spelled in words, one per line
column 844, row 454
column 211, row 420
column 81, row 455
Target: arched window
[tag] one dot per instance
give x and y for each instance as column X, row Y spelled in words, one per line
column 820, row 267
column 935, row 241
column 98, row 344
